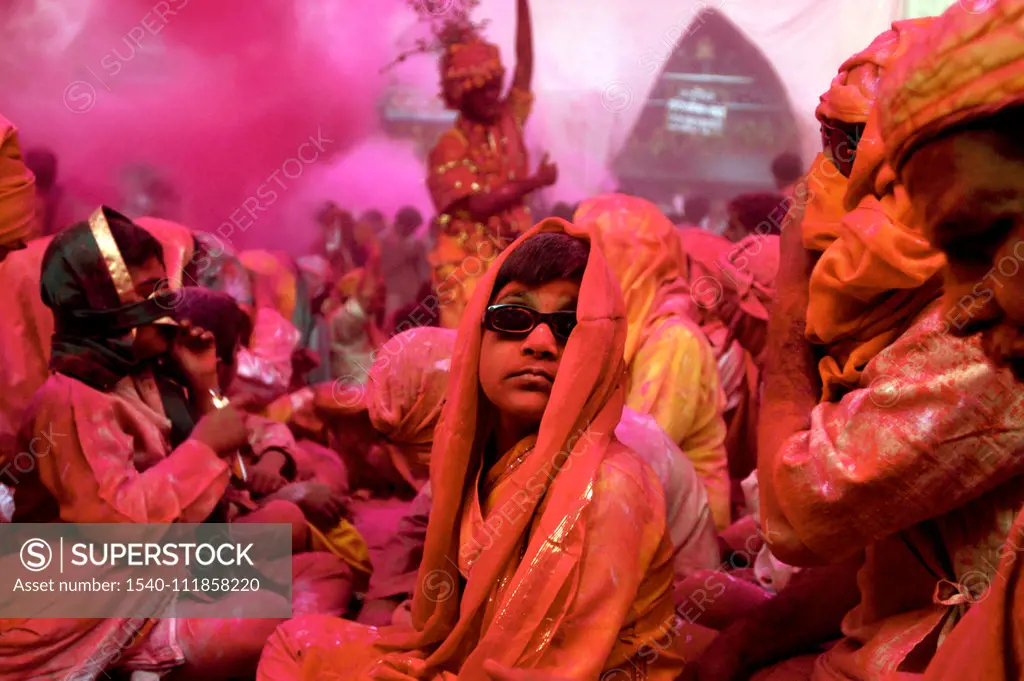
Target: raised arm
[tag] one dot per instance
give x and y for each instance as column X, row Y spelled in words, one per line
column 791, row 390
column 91, row 472
column 523, row 77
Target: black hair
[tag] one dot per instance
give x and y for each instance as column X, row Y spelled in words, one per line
column 219, row 314
column 787, row 168
column 542, row 258
column 563, row 210
column 761, row 214
column 137, row 246
column 409, row 216
column 695, row 208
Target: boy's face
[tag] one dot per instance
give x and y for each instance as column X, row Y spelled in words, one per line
column 518, row 371
column 967, row 191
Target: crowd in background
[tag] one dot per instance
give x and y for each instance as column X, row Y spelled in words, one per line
column 614, row 443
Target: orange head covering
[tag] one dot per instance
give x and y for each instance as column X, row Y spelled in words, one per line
column 274, row 282
column 405, row 394
column 854, row 90
column 17, row 190
column 467, row 60
column 850, row 99
column 350, row 284
column 584, row 408
column 401, row 401
column 466, row 66
column 645, row 253
column 876, row 271
column 871, row 175
column 743, row 272
column 969, row 66
column 179, row 246
column 731, row 284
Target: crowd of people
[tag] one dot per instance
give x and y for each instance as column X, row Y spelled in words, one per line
column 621, row 444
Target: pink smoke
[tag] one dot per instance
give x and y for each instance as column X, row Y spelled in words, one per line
column 230, row 101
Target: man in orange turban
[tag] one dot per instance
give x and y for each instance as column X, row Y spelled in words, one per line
column 17, row 227
column 479, row 174
column 911, row 456
column 951, row 120
column 875, row 271
column 17, row 193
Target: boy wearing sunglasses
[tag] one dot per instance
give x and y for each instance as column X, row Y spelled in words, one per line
column 546, row 550
column 526, row 327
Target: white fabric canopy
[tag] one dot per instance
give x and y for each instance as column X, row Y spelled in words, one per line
column 597, row 60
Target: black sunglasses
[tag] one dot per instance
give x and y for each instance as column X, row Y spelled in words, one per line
column 521, row 320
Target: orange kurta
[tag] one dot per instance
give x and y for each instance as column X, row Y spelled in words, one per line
column 469, row 159
column 919, row 466
column 988, row 644
column 587, row 540
column 119, row 441
column 687, row 514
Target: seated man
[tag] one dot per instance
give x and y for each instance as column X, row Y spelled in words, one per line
column 536, row 381
column 672, row 372
column 131, row 453
column 733, row 286
column 23, row 365
column 953, row 133
column 277, row 469
column 914, row 460
column 881, row 434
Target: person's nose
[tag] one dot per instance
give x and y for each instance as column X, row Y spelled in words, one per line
column 540, row 343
